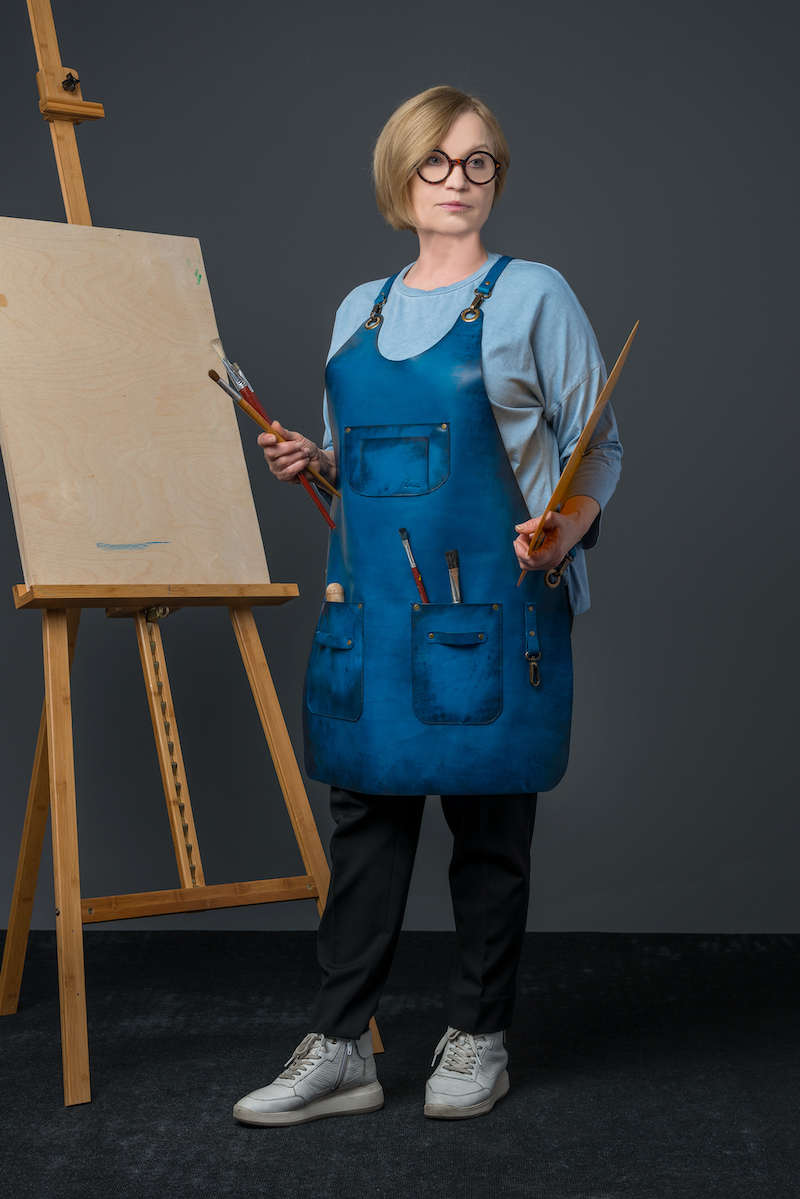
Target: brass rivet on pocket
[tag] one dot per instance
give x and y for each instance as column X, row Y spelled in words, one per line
column 480, row 636
column 530, row 607
column 361, row 605
column 531, row 632
column 444, row 426
column 430, row 636
column 347, row 430
column 495, row 606
column 416, row 607
column 349, row 642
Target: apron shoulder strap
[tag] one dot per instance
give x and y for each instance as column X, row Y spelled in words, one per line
column 375, row 317
column 484, row 290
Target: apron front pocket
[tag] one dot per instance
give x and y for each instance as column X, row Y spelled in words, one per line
column 457, row 663
column 336, row 668
column 393, row 460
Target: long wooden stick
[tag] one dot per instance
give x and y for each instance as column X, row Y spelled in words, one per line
column 568, row 473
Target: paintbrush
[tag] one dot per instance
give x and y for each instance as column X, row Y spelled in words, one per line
column 568, row 473
column 263, row 421
column 455, row 580
column 414, row 570
column 267, row 427
column 242, row 388
column 237, row 378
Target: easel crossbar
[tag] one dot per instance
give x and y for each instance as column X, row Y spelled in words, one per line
column 197, row 899
column 134, row 597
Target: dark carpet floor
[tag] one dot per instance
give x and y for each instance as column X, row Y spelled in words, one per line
column 642, row 1067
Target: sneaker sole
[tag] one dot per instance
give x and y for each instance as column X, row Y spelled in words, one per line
column 446, row 1111
column 356, row 1102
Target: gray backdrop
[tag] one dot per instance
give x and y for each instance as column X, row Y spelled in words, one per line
column 653, row 163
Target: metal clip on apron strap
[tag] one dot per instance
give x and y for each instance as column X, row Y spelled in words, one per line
column 482, row 292
column 533, row 649
column 553, row 577
column 376, row 316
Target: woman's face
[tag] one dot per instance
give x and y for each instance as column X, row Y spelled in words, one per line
column 456, row 206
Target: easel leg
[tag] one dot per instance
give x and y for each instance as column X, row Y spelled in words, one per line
column 280, row 747
column 286, row 768
column 30, row 853
column 66, row 872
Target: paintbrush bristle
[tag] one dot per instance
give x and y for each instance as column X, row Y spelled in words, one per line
column 213, row 375
column 216, row 346
column 452, row 559
column 404, row 534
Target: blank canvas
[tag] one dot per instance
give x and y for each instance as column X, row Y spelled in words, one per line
column 123, row 459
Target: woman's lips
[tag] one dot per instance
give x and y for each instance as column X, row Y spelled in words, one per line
column 455, row 207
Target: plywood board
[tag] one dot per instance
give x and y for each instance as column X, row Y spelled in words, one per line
column 124, row 461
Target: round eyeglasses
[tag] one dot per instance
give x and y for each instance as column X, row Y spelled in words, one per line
column 479, row 168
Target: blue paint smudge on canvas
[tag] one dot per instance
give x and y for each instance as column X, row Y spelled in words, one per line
column 132, row 545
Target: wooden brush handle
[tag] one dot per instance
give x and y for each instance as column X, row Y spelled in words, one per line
column 267, row 427
column 568, row 473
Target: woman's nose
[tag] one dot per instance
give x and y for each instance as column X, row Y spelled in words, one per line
column 457, row 179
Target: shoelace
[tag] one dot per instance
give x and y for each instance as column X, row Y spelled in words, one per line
column 308, row 1051
column 459, row 1051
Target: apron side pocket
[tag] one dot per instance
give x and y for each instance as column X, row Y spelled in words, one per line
column 457, row 663
column 335, row 684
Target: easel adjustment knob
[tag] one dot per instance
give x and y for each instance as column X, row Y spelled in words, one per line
column 56, row 106
column 158, row 612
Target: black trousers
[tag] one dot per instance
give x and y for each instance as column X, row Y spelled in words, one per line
column 372, row 855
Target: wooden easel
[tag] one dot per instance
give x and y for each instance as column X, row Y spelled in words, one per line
column 53, row 779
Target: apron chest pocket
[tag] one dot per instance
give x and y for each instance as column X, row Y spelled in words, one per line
column 457, row 663
column 386, row 460
column 336, row 668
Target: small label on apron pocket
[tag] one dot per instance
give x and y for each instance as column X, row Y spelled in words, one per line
column 336, row 668
column 457, row 663
column 391, row 460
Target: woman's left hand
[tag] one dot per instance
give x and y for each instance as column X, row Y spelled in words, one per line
column 562, row 530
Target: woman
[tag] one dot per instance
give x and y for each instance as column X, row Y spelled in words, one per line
column 456, row 390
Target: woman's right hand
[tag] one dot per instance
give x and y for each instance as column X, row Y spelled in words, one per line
column 287, row 459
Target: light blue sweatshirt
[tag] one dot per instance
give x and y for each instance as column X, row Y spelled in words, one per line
column 542, row 371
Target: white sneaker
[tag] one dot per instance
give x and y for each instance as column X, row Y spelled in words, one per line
column 470, row 1077
column 325, row 1076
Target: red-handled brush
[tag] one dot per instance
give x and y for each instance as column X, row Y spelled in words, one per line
column 423, row 595
column 263, row 423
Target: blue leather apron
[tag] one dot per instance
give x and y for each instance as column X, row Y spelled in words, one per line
column 406, row 698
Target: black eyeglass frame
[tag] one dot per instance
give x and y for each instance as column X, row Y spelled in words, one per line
column 460, row 162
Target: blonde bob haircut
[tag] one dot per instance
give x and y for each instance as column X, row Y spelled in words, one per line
column 412, row 131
